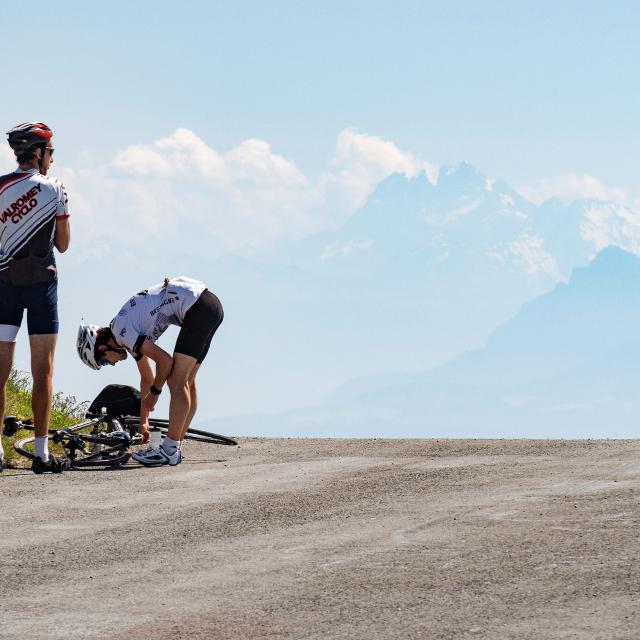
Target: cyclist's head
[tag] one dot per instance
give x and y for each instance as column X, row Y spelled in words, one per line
column 96, row 346
column 31, row 142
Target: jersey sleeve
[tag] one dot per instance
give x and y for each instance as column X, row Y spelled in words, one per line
column 126, row 335
column 62, row 205
column 135, row 352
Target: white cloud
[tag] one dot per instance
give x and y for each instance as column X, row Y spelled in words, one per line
column 7, row 159
column 180, row 153
column 245, row 195
column 572, row 186
column 185, row 151
column 253, row 161
column 242, row 196
column 143, row 161
column 361, row 161
column 179, row 183
column 611, row 224
column 180, row 186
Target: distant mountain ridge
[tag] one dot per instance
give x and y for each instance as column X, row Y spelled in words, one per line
column 420, row 274
column 564, row 348
column 463, row 215
column 564, row 366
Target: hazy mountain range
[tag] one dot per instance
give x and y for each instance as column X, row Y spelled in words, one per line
column 421, row 273
column 565, row 366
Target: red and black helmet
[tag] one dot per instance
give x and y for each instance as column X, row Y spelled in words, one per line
column 28, row 134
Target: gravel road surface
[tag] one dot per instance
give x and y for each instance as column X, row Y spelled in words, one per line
column 322, row 539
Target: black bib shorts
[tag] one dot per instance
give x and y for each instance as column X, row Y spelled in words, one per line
column 200, row 324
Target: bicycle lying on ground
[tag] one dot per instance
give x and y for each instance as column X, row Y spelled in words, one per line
column 104, row 441
column 105, row 437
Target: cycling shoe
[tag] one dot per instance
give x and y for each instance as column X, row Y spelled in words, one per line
column 53, row 465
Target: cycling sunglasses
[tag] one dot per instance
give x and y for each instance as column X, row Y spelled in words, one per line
column 102, row 360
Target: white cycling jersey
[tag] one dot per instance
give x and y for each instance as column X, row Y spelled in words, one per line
column 29, row 203
column 148, row 314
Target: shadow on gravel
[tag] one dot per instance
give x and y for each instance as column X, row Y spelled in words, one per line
column 125, row 467
column 136, row 467
column 19, row 473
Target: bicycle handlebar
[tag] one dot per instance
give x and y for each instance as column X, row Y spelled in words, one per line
column 11, row 425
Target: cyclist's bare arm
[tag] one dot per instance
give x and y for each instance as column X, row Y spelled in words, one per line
column 62, row 235
column 162, row 359
column 146, row 380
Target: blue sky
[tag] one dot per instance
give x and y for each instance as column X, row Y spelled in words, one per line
column 525, row 90
column 187, row 131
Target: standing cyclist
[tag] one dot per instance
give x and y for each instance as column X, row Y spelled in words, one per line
column 34, row 219
column 179, row 301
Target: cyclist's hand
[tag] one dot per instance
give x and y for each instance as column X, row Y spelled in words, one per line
column 149, row 401
column 143, row 430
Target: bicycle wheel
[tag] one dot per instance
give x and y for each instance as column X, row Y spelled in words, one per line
column 84, row 450
column 19, row 445
column 107, row 457
column 192, row 434
column 95, row 449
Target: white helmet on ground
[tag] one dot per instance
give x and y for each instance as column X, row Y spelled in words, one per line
column 86, row 344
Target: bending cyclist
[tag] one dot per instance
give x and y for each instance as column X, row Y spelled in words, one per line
column 135, row 329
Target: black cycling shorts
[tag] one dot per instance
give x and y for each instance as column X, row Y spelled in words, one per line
column 41, row 302
column 200, row 324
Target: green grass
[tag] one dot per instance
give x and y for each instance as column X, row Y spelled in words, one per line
column 66, row 410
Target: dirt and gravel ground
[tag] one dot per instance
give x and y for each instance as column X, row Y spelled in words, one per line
column 325, row 539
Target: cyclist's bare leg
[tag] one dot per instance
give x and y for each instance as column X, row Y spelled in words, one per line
column 180, row 404
column 7, row 351
column 42, row 350
column 193, row 397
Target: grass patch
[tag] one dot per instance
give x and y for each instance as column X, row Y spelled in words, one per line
column 65, row 411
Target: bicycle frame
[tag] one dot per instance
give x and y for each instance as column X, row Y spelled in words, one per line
column 110, row 449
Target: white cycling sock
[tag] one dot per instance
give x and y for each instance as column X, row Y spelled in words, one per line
column 42, row 448
column 170, row 445
column 1, row 451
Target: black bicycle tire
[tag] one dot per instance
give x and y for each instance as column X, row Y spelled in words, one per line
column 197, row 434
column 18, row 445
column 92, row 460
column 192, row 434
column 97, row 459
